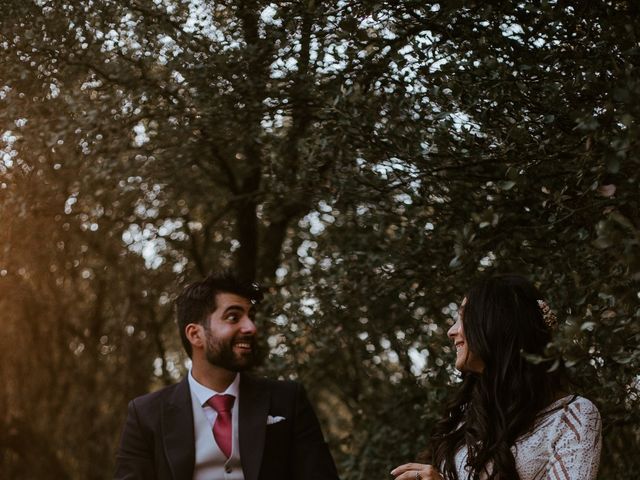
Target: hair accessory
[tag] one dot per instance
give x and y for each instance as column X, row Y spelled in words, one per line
column 548, row 315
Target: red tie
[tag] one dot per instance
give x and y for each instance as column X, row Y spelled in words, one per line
column 223, row 425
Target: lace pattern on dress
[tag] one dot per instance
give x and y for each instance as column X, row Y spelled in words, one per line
column 564, row 444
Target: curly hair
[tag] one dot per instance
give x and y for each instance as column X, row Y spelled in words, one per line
column 492, row 409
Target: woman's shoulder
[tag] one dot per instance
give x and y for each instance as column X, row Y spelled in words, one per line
column 570, row 418
column 580, row 406
column 572, row 402
column 585, row 412
column 574, row 414
column 566, row 437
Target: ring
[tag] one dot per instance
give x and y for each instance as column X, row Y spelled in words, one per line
column 418, row 476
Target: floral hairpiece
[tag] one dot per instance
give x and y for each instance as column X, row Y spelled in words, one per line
column 548, row 315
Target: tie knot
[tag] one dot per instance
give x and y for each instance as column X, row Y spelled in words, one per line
column 221, row 403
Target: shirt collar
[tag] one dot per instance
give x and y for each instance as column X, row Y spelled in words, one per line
column 203, row 393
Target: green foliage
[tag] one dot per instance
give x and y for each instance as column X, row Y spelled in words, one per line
column 367, row 160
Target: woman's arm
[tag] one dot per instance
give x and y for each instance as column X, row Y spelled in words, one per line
column 575, row 454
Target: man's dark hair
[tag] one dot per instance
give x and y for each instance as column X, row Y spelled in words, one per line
column 198, row 300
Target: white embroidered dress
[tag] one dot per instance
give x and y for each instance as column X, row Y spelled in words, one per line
column 564, row 444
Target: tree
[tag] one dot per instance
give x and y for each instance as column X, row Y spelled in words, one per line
column 366, row 160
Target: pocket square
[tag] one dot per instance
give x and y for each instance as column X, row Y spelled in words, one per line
column 271, row 420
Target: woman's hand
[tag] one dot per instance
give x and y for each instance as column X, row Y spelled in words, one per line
column 416, row 471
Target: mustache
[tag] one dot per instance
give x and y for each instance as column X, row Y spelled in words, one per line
column 251, row 339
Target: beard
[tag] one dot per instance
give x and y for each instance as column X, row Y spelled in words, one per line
column 221, row 354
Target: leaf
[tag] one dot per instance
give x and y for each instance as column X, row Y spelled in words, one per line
column 607, row 190
column 506, row 185
column 602, row 242
column 588, row 326
column 608, row 314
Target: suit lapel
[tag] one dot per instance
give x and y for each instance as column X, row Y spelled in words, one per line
column 177, row 432
column 254, row 409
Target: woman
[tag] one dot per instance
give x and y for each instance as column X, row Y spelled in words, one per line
column 512, row 417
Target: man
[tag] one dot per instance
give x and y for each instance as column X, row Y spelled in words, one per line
column 219, row 423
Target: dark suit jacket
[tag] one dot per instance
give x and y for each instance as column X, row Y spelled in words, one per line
column 158, row 437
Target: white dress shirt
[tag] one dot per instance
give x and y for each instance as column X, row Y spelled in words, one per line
column 210, row 453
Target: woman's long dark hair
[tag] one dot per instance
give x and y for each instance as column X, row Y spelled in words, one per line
column 502, row 322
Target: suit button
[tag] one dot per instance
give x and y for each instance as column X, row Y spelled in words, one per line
column 228, row 469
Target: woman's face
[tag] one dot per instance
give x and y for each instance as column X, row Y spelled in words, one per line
column 466, row 361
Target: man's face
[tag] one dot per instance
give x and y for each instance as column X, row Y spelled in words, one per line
column 230, row 333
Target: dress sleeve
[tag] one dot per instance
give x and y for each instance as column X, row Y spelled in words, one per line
column 576, row 449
